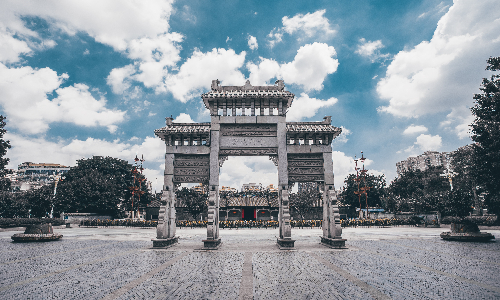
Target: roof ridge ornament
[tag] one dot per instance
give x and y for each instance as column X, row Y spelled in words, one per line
column 280, row 84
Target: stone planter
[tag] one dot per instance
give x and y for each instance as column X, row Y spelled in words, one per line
column 466, row 232
column 37, row 233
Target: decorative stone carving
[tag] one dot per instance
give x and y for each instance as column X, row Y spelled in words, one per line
column 305, row 163
column 248, row 151
column 222, row 159
column 191, row 179
column 305, row 178
column 190, row 163
column 249, row 130
column 274, row 159
column 192, row 171
column 306, row 171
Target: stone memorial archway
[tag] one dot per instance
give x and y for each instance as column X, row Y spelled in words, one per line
column 248, row 121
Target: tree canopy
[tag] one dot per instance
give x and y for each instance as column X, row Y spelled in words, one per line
column 375, row 194
column 486, row 135
column 195, row 202
column 302, row 202
column 4, row 146
column 98, row 185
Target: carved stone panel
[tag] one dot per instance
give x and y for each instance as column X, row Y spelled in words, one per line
column 248, row 151
column 191, row 168
column 259, row 130
column 305, row 167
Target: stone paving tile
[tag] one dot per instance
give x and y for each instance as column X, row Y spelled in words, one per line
column 297, row 275
column 92, row 281
column 200, row 275
column 403, row 281
column 26, row 269
column 480, row 251
column 16, row 251
column 447, row 262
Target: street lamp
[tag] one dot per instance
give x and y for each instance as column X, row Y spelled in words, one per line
column 361, row 176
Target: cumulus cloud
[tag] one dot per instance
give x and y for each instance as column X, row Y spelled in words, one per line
column 308, row 69
column 446, row 71
column 412, row 129
column 306, row 107
column 183, row 118
column 308, row 25
column 425, row 142
column 252, row 43
column 139, row 30
column 66, row 152
column 370, row 49
column 342, row 138
column 23, row 96
column 201, row 68
column 458, row 121
column 238, row 170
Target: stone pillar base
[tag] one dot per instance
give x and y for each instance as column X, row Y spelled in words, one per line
column 211, row 244
column 333, row 243
column 285, row 244
column 165, row 243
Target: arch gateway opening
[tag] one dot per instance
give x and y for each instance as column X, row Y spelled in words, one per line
column 248, row 121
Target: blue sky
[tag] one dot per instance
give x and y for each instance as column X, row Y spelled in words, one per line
column 83, row 78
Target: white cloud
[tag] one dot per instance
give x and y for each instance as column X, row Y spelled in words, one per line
column 305, row 107
column 23, row 96
column 428, row 142
column 309, row 25
column 445, row 72
column 66, row 152
column 309, row 68
column 342, row 167
column 412, row 129
column 137, row 29
column 119, row 78
column 201, row 68
column 183, row 118
column 370, row 49
column 238, row 170
column 252, row 43
column 458, row 121
column 342, row 138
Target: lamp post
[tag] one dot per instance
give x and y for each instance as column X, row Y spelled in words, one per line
column 361, row 176
column 139, row 178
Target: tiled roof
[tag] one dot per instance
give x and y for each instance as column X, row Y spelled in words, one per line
column 184, row 128
column 248, row 94
column 311, row 127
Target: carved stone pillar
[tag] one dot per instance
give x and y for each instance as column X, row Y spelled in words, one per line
column 285, row 230
column 332, row 231
column 165, row 231
column 213, row 240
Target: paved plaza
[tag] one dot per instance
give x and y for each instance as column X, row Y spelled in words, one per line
column 119, row 263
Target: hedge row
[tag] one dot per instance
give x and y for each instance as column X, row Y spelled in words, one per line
column 478, row 220
column 23, row 222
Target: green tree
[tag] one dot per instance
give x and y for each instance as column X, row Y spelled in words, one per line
column 419, row 191
column 195, row 202
column 40, row 200
column 376, row 193
column 302, row 202
column 13, row 205
column 98, row 185
column 486, row 134
column 4, row 146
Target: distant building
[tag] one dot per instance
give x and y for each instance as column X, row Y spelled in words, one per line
column 228, row 189
column 251, row 187
column 201, row 188
column 35, row 175
column 424, row 161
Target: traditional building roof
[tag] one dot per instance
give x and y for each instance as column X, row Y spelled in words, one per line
column 247, row 96
column 311, row 127
column 176, row 128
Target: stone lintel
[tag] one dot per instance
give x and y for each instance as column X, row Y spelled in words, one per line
column 333, row 243
column 188, row 150
column 291, row 149
column 270, row 119
column 165, row 243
